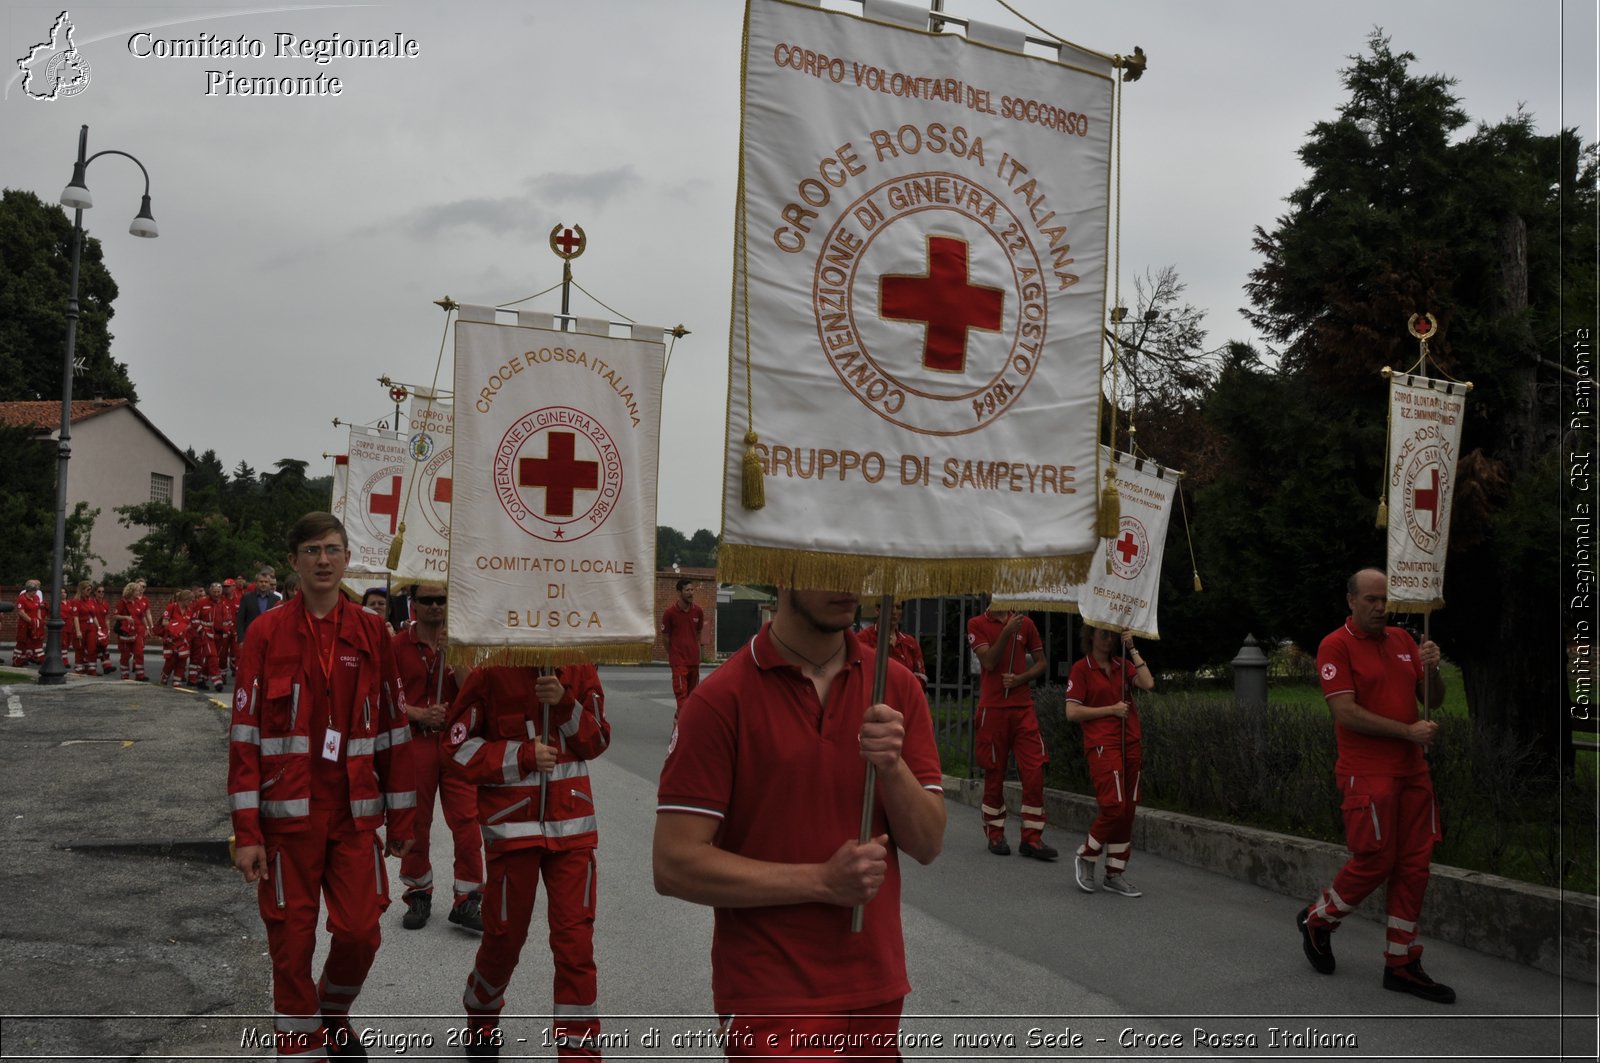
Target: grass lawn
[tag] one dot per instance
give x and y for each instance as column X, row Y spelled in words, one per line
column 8, row 676
column 1289, row 693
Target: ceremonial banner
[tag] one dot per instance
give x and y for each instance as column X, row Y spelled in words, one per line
column 341, row 479
column 1122, row 590
column 377, row 469
column 919, row 289
column 425, row 550
column 1425, row 418
column 553, row 526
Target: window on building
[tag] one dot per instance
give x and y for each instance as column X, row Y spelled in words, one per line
column 160, row 488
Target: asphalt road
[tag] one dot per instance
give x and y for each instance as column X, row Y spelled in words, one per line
column 1008, row 959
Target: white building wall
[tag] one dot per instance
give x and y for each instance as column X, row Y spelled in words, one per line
column 113, row 457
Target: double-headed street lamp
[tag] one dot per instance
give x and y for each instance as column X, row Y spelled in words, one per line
column 76, row 195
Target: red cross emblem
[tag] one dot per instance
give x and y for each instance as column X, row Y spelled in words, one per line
column 568, row 243
column 442, row 489
column 1127, row 547
column 559, row 473
column 1129, row 551
column 386, row 505
column 944, row 300
column 1428, row 498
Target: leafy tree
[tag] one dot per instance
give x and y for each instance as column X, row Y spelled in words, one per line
column 35, row 275
column 1399, row 215
column 697, row 551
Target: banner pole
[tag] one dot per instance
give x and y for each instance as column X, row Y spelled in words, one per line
column 1427, row 681
column 880, row 679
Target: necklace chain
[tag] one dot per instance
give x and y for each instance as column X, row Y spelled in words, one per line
column 817, row 668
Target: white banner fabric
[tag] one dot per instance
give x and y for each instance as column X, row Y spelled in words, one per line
column 1124, row 581
column 1425, row 418
column 341, row 481
column 919, row 290
column 377, row 469
column 553, row 529
column 425, row 550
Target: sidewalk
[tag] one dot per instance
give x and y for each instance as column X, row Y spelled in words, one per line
column 100, row 921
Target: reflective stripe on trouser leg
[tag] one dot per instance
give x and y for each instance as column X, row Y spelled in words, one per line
column 354, row 904
column 1117, row 857
column 1027, row 745
column 571, row 897
column 1415, row 830
column 1090, row 849
column 507, row 907
column 298, row 1036
column 1329, row 909
column 416, row 866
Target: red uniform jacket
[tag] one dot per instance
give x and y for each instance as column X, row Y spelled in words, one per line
column 488, row 742
column 127, row 622
column 175, row 622
column 32, row 610
column 906, row 649
column 270, row 753
column 419, row 665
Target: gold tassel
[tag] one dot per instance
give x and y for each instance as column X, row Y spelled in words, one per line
column 754, row 495
column 1197, row 587
column 1383, row 512
column 395, row 547
column 1110, row 520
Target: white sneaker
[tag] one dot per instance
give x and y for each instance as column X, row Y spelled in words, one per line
column 1118, row 884
column 1083, row 871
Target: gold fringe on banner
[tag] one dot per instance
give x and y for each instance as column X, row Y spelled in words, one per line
column 463, row 656
column 904, row 577
column 1416, row 607
column 1021, row 606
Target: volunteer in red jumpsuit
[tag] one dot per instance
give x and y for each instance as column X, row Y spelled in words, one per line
column 1004, row 642
column 536, row 810
column 430, row 687
column 85, row 630
column 681, row 625
column 175, row 640
column 1100, row 700
column 902, row 647
column 126, row 629
column 1373, row 676
column 207, row 622
column 102, row 621
column 225, row 622
column 319, row 759
column 196, row 673
column 143, row 622
column 31, row 615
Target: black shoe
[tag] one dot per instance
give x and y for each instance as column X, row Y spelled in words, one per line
column 1318, row 943
column 1000, row 847
column 1038, row 852
column 1414, row 980
column 419, row 906
column 467, row 913
column 342, row 1041
column 483, row 1043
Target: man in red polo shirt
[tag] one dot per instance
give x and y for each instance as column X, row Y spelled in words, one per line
column 758, row 816
column 430, row 688
column 1011, row 655
column 681, row 625
column 319, row 758
column 1373, row 676
column 902, row 646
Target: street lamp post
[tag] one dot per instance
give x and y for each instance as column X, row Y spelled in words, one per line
column 76, row 195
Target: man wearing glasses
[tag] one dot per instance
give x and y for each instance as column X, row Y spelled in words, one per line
column 430, row 687
column 319, row 758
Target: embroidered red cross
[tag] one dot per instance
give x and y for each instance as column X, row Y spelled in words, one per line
column 1428, row 498
column 559, row 474
column 1127, row 547
column 567, row 241
column 945, row 301
column 386, row 505
column 442, row 489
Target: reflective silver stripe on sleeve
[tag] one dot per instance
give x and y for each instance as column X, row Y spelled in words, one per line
column 248, row 735
column 395, row 736
column 367, row 807
column 468, row 748
column 285, row 809
column 565, row 828
column 277, row 747
column 510, row 770
column 362, row 747
column 400, row 798
column 241, row 801
column 570, row 730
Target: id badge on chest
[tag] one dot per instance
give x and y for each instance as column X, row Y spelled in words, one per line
column 330, row 745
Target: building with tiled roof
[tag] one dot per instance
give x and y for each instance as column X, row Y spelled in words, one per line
column 119, row 458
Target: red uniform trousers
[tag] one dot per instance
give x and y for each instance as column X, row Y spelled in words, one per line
column 29, row 648
column 174, row 659
column 569, row 877
column 126, row 657
column 871, row 1032
column 330, row 860
column 227, row 653
column 1115, row 775
column 87, row 647
column 203, row 658
column 460, row 801
column 685, row 677
column 1003, row 731
column 1391, row 824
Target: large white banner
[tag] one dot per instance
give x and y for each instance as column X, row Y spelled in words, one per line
column 553, row 525
column 1425, row 418
column 377, row 469
column 1124, row 581
column 919, row 291
column 425, row 550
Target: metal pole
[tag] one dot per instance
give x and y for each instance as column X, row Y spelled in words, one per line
column 566, row 294
column 880, row 679
column 54, row 670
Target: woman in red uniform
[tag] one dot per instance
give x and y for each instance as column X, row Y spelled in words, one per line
column 1100, row 700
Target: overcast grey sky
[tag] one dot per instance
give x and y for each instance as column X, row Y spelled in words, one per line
column 304, row 240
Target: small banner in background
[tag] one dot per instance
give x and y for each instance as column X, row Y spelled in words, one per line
column 553, row 521
column 373, row 496
column 1425, row 418
column 430, row 443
